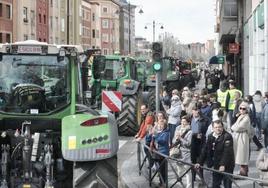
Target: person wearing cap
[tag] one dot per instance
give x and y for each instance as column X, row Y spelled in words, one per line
column 241, row 135
column 218, row 153
column 174, row 113
column 230, row 102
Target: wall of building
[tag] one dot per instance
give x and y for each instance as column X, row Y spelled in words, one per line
column 255, row 65
column 6, row 21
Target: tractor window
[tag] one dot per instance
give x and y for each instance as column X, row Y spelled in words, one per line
column 33, row 84
column 98, row 66
column 114, row 69
column 133, row 70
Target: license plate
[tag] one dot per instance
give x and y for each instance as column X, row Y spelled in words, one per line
column 88, row 94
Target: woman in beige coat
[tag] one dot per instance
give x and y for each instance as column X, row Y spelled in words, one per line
column 262, row 164
column 241, row 135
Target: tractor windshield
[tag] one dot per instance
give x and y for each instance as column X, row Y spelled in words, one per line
column 33, row 84
column 109, row 69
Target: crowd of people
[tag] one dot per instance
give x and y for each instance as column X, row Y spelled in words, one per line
column 208, row 129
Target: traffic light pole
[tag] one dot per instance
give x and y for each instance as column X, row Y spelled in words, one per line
column 157, row 92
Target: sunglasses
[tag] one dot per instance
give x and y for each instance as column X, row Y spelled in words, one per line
column 242, row 108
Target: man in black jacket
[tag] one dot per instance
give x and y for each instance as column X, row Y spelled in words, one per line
column 218, row 152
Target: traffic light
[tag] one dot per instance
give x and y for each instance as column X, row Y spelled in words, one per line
column 157, row 66
column 157, row 51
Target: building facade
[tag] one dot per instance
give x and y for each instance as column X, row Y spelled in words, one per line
column 255, row 48
column 143, row 48
column 228, row 26
column 42, row 10
column 54, row 22
column 6, row 21
column 127, row 28
column 109, row 32
column 24, row 20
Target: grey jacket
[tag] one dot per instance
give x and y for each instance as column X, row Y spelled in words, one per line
column 264, row 117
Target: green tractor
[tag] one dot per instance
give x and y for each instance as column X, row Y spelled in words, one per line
column 150, row 84
column 118, row 73
column 49, row 138
column 176, row 74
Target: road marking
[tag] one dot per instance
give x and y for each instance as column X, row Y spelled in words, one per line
column 121, row 143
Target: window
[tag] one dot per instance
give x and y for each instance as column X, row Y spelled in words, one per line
column 51, row 22
column 56, row 23
column 230, row 8
column 105, row 51
column 1, row 37
column 8, row 38
column 62, row 25
column 25, row 37
column 83, row 13
column 93, row 33
column 105, row 37
column 40, row 18
column 25, row 14
column 51, row 3
column 105, row 23
column 32, row 18
column 8, row 11
column 45, row 19
column 105, row 9
column 40, row 40
column 93, row 17
column 1, row 9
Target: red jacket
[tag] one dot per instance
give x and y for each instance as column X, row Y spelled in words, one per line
column 149, row 120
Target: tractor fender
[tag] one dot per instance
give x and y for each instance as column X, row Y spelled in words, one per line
column 129, row 89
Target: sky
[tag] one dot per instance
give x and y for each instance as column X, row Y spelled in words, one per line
column 188, row 20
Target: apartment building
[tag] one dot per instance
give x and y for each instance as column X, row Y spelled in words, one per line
column 6, row 21
column 54, row 22
column 42, row 20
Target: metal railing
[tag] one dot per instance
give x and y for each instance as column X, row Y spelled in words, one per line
column 168, row 161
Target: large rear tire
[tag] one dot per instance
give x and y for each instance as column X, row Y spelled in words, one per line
column 96, row 174
column 129, row 117
column 151, row 98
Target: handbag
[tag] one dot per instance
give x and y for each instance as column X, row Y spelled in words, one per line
column 175, row 152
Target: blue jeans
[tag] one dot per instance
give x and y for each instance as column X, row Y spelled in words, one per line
column 258, row 124
column 172, row 129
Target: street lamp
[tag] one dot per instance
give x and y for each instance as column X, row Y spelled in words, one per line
column 154, row 24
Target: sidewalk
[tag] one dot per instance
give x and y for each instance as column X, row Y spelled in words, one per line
column 130, row 177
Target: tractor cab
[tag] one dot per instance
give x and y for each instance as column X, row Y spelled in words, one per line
column 34, row 79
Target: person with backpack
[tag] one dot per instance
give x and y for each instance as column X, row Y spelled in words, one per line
column 253, row 120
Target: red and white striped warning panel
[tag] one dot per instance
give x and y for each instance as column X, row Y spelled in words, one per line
column 111, row 101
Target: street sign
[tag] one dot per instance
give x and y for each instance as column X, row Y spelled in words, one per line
column 233, row 48
column 111, row 101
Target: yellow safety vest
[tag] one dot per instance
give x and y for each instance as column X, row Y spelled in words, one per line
column 231, row 105
column 221, row 97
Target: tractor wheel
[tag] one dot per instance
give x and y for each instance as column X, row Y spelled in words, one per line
column 151, row 98
column 96, row 174
column 129, row 117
